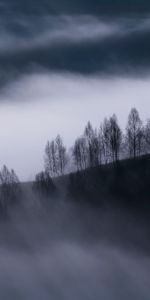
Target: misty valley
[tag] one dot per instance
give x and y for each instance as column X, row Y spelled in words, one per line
column 41, row 266
column 77, row 236
column 74, row 150
column 81, row 229
column 67, row 250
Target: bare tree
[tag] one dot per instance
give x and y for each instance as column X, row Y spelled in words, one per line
column 141, row 142
column 77, row 155
column 51, row 159
column 55, row 157
column 115, row 138
column 92, row 145
column 80, row 153
column 133, row 133
column 108, row 144
column 44, row 185
column 61, row 155
column 100, row 145
column 96, row 149
column 105, row 133
column 5, row 176
column 88, row 134
column 10, row 188
column 14, row 178
column 147, row 137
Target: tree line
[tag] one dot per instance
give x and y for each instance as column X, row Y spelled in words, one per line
column 9, row 189
column 99, row 146
column 95, row 147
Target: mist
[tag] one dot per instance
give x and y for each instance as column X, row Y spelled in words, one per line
column 82, row 235
column 40, row 106
column 71, row 251
column 63, row 64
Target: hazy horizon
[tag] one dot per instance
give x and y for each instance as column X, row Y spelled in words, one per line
column 84, row 236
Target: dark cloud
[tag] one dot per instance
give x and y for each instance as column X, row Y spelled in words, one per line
column 102, row 37
column 65, row 40
column 76, row 44
column 75, row 6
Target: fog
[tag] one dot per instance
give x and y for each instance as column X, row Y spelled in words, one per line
column 38, row 107
column 66, row 271
column 63, row 63
column 72, row 253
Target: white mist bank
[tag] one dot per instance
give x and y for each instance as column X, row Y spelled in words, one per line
column 72, row 252
column 65, row 271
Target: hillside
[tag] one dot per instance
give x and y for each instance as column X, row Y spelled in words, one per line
column 125, row 184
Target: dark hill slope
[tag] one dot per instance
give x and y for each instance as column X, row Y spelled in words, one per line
column 125, row 184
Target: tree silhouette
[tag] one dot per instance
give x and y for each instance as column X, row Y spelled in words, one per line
column 92, row 145
column 10, row 188
column 95, row 147
column 44, row 185
column 55, row 157
column 61, row 155
column 147, row 137
column 134, row 133
column 115, row 138
column 80, row 154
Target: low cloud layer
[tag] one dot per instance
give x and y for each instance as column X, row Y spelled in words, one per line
column 67, row 271
column 73, row 253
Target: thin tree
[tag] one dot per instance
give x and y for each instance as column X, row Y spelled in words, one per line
column 9, row 189
column 115, row 138
column 50, row 159
column 100, row 145
column 92, row 145
column 44, row 185
column 133, row 133
column 147, row 137
column 80, row 153
column 105, row 133
column 61, row 155
column 55, row 157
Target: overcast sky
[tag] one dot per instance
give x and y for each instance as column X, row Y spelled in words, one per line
column 64, row 63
